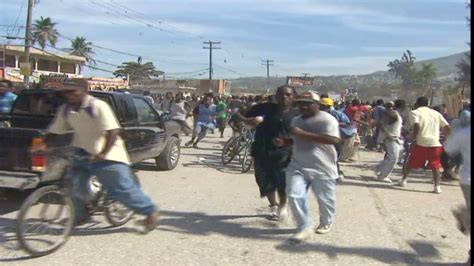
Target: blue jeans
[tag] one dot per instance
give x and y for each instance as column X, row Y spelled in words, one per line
column 391, row 157
column 298, row 182
column 117, row 180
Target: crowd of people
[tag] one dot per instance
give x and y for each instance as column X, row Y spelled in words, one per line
column 299, row 142
column 301, row 139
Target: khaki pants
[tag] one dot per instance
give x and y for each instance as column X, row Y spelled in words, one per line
column 348, row 149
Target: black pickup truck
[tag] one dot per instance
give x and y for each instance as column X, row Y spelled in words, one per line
column 147, row 135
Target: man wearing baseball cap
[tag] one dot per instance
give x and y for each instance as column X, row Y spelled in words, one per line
column 313, row 164
column 97, row 136
column 347, row 131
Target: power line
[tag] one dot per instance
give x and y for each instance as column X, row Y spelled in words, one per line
column 136, row 55
column 17, row 18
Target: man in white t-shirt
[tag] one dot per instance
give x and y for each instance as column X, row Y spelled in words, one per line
column 426, row 124
column 97, row 136
column 313, row 165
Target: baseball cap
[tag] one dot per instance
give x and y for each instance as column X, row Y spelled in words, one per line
column 308, row 97
column 327, row 101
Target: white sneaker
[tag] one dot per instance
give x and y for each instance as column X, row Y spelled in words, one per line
column 387, row 180
column 301, row 236
column 323, row 229
column 402, row 182
column 437, row 190
column 273, row 213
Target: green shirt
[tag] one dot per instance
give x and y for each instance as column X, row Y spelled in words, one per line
column 222, row 110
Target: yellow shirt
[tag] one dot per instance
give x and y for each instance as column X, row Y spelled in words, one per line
column 90, row 124
column 430, row 122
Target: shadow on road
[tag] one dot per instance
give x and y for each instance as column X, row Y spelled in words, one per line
column 196, row 223
column 422, row 250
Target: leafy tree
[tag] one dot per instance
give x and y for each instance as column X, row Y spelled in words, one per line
column 81, row 47
column 464, row 65
column 414, row 81
column 137, row 71
column 44, row 31
column 425, row 76
column 404, row 68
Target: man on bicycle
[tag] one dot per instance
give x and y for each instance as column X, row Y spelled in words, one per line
column 97, row 136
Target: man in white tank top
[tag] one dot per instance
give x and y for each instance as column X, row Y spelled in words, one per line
column 390, row 134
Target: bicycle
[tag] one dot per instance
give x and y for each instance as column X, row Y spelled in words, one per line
column 239, row 146
column 46, row 217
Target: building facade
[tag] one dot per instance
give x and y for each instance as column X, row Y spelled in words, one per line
column 42, row 62
column 196, row 86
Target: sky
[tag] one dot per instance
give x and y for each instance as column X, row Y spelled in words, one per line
column 326, row 37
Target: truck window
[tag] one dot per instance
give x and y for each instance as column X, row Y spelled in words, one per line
column 37, row 104
column 145, row 113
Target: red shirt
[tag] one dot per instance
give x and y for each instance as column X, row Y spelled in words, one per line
column 351, row 111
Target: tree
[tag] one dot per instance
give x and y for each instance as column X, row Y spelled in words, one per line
column 464, row 65
column 404, row 68
column 425, row 76
column 44, row 31
column 137, row 71
column 414, row 81
column 81, row 47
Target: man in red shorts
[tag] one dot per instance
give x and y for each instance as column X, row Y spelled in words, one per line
column 426, row 124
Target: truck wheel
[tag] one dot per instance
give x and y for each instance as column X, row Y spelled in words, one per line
column 169, row 157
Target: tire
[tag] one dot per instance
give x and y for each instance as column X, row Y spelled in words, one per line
column 228, row 152
column 169, row 157
column 49, row 197
column 116, row 213
column 247, row 160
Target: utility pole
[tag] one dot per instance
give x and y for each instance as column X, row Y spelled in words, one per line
column 305, row 75
column 29, row 17
column 268, row 63
column 210, row 48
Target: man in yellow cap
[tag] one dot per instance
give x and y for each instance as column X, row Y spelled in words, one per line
column 346, row 129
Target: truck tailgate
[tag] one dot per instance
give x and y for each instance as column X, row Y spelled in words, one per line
column 15, row 144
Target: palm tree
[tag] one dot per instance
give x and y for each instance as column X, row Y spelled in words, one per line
column 81, row 47
column 44, row 30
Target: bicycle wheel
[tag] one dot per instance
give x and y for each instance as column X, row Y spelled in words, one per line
column 229, row 150
column 45, row 221
column 247, row 160
column 116, row 213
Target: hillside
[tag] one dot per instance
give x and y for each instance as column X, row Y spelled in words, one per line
column 446, row 67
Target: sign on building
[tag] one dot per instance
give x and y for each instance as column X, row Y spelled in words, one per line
column 299, row 81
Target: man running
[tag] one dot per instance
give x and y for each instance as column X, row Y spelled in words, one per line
column 390, row 125
column 313, row 165
column 97, row 135
column 347, row 131
column 271, row 158
column 426, row 124
column 222, row 114
column 206, row 120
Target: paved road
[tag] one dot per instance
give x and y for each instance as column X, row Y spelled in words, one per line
column 212, row 215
